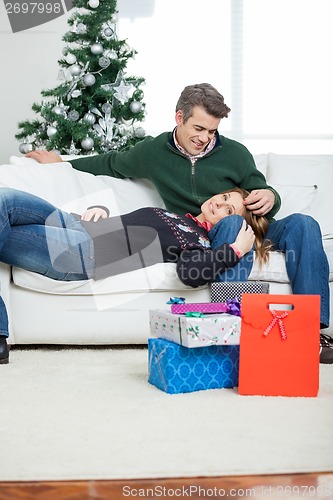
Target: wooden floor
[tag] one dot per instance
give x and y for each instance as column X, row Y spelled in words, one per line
column 277, row 487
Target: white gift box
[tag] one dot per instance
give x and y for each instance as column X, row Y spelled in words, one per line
column 191, row 331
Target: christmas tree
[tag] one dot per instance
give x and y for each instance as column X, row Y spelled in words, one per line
column 96, row 107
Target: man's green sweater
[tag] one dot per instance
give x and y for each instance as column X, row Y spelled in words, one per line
column 183, row 187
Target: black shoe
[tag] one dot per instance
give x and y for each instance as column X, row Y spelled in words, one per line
column 326, row 349
column 4, row 351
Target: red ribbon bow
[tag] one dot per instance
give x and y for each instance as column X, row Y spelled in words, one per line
column 277, row 319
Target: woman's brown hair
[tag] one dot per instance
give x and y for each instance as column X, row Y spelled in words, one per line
column 259, row 225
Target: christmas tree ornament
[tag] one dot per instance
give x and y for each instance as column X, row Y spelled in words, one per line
column 104, row 62
column 65, row 51
column 72, row 150
column 73, row 115
column 122, row 129
column 128, row 123
column 89, row 118
column 70, row 58
column 75, row 70
column 25, row 147
column 76, row 93
column 114, row 19
column 89, row 79
column 111, row 54
column 108, row 32
column 107, row 108
column 93, row 4
column 57, row 110
column 81, row 29
column 125, row 48
column 51, row 131
column 140, row 132
column 87, row 143
column 61, row 75
column 96, row 48
column 135, row 106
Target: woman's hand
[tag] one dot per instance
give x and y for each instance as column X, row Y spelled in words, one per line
column 245, row 239
column 94, row 214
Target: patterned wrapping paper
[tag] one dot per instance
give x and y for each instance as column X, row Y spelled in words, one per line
column 222, row 291
column 204, row 307
column 208, row 330
column 175, row 369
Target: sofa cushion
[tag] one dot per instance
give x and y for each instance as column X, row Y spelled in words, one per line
column 305, row 184
column 157, row 277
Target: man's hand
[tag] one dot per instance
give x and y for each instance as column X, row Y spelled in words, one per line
column 260, row 201
column 94, row 214
column 44, row 156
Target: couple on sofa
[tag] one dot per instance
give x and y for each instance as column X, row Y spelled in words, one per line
column 187, row 167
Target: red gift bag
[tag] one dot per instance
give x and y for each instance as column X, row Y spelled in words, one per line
column 279, row 345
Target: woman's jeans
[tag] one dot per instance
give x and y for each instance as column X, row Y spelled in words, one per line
column 299, row 237
column 38, row 237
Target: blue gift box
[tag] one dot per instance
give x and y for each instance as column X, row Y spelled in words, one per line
column 174, row 368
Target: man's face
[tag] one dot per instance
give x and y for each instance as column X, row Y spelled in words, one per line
column 197, row 132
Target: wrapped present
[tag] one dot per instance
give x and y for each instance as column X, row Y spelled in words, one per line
column 203, row 307
column 195, row 329
column 175, row 369
column 280, row 345
column 221, row 291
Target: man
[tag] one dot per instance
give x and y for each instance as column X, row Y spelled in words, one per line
column 192, row 163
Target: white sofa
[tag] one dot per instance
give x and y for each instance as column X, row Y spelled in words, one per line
column 115, row 310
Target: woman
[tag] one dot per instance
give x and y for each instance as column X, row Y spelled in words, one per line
column 38, row 237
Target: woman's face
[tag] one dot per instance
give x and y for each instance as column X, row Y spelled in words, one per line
column 222, row 205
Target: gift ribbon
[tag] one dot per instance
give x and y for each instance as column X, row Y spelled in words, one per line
column 176, row 300
column 234, row 307
column 277, row 318
column 194, row 314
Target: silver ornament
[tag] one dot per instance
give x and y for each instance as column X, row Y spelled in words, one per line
column 107, row 108
column 87, row 143
column 135, row 106
column 113, row 54
column 57, row 110
column 81, row 29
column 104, row 62
column 75, row 70
column 89, row 118
column 140, row 132
column 51, row 131
column 89, row 79
column 114, row 19
column 76, row 93
column 73, row 115
column 108, row 32
column 96, row 48
column 25, row 147
column 93, row 4
column 122, row 129
column 70, row 58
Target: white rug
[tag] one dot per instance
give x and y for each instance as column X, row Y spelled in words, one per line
column 91, row 414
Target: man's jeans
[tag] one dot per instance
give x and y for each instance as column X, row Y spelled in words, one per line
column 299, row 237
column 38, row 237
